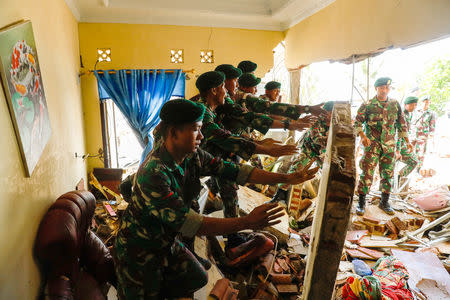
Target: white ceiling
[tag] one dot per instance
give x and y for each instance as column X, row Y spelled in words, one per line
column 248, row 14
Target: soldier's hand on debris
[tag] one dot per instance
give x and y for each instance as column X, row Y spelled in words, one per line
column 264, row 215
column 365, row 140
column 409, row 147
column 277, row 150
column 303, row 123
column 303, row 174
column 317, row 110
column 267, row 142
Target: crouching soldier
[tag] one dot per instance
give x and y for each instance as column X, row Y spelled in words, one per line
column 152, row 262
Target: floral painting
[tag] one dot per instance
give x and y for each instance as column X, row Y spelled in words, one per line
column 22, row 84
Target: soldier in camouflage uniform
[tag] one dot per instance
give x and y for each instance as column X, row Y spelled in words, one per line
column 272, row 91
column 408, row 158
column 312, row 146
column 425, row 126
column 382, row 118
column 222, row 143
column 151, row 259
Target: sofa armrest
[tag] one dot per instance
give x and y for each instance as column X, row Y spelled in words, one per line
column 59, row 288
column 97, row 259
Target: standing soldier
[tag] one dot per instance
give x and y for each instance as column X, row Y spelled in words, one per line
column 408, row 158
column 272, row 91
column 382, row 118
column 425, row 126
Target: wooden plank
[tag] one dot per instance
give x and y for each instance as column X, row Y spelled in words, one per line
column 249, row 199
column 369, row 243
column 333, row 208
column 356, row 235
column 355, row 253
column 287, row 288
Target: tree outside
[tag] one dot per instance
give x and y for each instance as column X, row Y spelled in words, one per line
column 435, row 83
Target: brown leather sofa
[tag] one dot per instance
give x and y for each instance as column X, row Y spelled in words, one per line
column 74, row 262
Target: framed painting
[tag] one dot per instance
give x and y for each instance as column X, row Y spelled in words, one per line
column 22, row 84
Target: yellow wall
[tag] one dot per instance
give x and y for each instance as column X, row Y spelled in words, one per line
column 348, row 27
column 23, row 201
column 147, row 46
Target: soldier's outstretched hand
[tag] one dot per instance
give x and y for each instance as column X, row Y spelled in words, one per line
column 303, row 123
column 264, row 215
column 267, row 142
column 317, row 110
column 366, row 141
column 277, row 150
column 409, row 147
column 303, row 174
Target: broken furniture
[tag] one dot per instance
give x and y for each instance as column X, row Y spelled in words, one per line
column 74, row 262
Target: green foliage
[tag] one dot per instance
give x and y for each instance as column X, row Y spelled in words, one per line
column 435, row 82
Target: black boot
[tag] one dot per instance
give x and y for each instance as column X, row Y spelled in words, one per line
column 280, row 195
column 384, row 204
column 204, row 262
column 360, row 208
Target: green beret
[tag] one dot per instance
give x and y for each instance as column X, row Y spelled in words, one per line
column 411, row 99
column 271, row 85
column 426, row 97
column 382, row 81
column 229, row 70
column 209, row 80
column 181, row 111
column 248, row 80
column 328, row 106
column 247, row 66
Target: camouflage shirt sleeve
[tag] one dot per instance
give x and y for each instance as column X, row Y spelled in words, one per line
column 360, row 118
column 259, row 105
column 224, row 139
column 164, row 203
column 236, row 119
column 400, row 123
column 216, row 166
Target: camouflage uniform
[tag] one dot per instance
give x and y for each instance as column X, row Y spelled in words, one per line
column 312, row 145
column 407, row 158
column 152, row 262
column 238, row 120
column 425, row 126
column 381, row 120
column 258, row 105
column 222, row 143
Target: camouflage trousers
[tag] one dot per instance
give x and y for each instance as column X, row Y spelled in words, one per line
column 157, row 275
column 228, row 193
column 421, row 149
column 373, row 156
column 409, row 159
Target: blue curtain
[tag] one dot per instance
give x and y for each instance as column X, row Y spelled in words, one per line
column 140, row 94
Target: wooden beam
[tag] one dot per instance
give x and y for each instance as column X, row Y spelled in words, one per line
column 333, row 207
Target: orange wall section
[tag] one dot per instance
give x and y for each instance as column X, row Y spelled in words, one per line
column 143, row 46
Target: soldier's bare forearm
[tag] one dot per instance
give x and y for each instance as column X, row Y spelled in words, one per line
column 263, row 177
column 220, row 226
